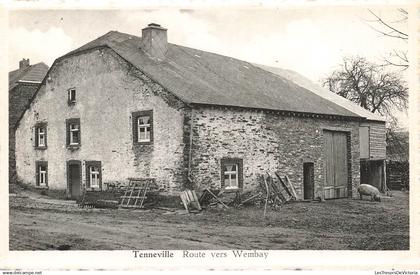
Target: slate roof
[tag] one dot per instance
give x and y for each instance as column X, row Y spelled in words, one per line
column 32, row 73
column 200, row 77
column 323, row 92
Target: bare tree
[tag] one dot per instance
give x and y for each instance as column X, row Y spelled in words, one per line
column 369, row 85
column 393, row 29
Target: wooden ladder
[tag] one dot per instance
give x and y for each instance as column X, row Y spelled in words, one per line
column 135, row 194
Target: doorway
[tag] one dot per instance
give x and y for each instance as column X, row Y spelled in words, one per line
column 372, row 172
column 74, row 178
column 336, row 165
column 308, row 180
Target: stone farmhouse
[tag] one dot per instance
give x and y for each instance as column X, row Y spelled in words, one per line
column 124, row 106
column 23, row 83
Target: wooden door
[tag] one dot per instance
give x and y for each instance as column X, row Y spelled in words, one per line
column 74, row 179
column 308, row 180
column 336, row 164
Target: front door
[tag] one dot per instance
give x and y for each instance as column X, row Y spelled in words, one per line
column 336, row 165
column 308, row 180
column 74, row 179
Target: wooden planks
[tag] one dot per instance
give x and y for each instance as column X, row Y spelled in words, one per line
column 135, row 193
column 340, row 159
column 364, row 142
column 190, row 200
column 329, row 159
column 377, row 140
column 336, row 164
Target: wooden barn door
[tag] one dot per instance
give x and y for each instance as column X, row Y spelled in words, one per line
column 336, row 166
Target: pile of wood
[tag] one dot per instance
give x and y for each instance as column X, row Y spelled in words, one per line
column 272, row 191
column 99, row 199
column 218, row 198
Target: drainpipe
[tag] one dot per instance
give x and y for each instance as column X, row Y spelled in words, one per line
column 190, row 148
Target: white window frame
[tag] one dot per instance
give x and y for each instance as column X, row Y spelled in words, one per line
column 94, row 176
column 72, row 95
column 72, row 131
column 42, row 181
column 230, row 173
column 146, row 127
column 41, row 133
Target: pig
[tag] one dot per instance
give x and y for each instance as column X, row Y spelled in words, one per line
column 369, row 190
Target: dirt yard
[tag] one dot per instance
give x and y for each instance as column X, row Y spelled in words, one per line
column 38, row 222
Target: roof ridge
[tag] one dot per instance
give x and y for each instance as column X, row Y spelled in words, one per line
column 215, row 79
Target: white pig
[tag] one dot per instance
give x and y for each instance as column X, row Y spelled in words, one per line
column 369, row 190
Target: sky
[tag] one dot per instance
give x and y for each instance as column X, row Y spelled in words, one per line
column 310, row 41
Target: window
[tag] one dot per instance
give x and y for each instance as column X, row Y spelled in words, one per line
column 73, row 132
column 142, row 127
column 143, row 124
column 72, row 96
column 93, row 175
column 41, row 173
column 232, row 173
column 41, row 136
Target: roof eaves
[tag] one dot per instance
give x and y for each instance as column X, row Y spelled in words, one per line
column 283, row 112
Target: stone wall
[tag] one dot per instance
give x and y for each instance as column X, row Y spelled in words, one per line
column 108, row 91
column 267, row 142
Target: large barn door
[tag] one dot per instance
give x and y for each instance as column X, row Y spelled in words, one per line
column 336, row 166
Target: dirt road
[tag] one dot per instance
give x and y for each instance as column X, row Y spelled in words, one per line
column 40, row 223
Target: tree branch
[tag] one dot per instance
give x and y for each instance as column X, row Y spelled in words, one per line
column 379, row 19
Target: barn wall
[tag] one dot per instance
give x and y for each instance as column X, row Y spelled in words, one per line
column 108, row 91
column 377, row 140
column 265, row 142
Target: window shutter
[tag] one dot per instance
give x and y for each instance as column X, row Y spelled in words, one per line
column 67, row 132
column 135, row 126
column 100, row 175
column 151, row 125
column 45, row 135
column 79, row 133
column 87, row 175
column 36, row 174
column 46, row 174
column 36, row 136
column 240, row 173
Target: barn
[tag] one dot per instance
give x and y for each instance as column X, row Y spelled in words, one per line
column 372, row 131
column 124, row 106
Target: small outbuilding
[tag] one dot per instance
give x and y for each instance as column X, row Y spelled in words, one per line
column 23, row 83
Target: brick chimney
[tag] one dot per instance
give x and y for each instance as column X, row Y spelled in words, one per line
column 154, row 41
column 24, row 63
